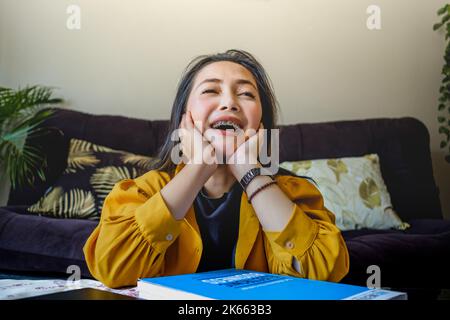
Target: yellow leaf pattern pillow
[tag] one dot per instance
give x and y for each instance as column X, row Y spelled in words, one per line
column 91, row 173
column 353, row 189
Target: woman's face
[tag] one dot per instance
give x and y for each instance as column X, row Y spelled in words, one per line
column 224, row 96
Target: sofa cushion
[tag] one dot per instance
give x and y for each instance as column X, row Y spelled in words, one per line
column 91, row 173
column 41, row 244
column 353, row 189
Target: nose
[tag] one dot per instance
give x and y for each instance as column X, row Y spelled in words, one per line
column 229, row 104
column 231, row 108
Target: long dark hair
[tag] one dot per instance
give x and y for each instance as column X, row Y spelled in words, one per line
column 269, row 103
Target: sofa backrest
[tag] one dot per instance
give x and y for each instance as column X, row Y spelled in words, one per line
column 402, row 145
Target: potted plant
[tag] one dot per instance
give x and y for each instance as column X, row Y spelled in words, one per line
column 21, row 113
column 444, row 90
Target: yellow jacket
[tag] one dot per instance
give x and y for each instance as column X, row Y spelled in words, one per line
column 137, row 236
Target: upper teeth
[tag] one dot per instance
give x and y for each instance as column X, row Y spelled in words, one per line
column 227, row 122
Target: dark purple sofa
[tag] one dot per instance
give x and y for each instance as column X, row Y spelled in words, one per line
column 416, row 260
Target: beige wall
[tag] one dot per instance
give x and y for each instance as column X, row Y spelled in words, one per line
column 325, row 64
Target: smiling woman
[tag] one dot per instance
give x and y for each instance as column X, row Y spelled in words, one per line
column 199, row 87
column 225, row 91
column 210, row 214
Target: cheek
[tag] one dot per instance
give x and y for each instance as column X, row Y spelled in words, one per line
column 254, row 116
column 200, row 108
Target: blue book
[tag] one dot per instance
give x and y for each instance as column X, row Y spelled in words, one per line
column 234, row 284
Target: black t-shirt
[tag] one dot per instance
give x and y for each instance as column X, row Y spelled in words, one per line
column 218, row 220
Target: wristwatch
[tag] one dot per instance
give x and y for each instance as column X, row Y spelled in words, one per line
column 250, row 175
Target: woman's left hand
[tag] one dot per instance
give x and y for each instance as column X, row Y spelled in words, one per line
column 246, row 155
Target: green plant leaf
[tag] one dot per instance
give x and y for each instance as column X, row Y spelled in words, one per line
column 444, row 130
column 17, row 103
column 442, row 10
column 441, row 119
column 446, row 70
column 441, row 106
column 443, row 144
column 22, row 111
column 437, row 26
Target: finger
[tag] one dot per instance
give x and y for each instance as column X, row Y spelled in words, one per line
column 261, row 132
column 189, row 121
column 261, row 129
column 261, row 135
column 182, row 128
column 197, row 125
column 183, row 120
column 208, row 135
column 250, row 133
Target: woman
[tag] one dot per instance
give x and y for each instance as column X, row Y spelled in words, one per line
column 216, row 210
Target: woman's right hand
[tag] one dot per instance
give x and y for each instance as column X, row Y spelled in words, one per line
column 195, row 147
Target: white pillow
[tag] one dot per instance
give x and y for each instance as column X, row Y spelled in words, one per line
column 353, row 189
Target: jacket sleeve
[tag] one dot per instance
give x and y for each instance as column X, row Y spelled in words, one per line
column 134, row 231
column 310, row 237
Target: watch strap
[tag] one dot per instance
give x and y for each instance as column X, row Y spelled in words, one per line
column 249, row 176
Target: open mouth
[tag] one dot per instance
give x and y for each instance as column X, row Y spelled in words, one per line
column 226, row 125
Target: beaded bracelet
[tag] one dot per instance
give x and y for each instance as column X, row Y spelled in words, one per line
column 260, row 189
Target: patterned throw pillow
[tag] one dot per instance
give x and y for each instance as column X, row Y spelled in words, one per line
column 91, row 173
column 353, row 189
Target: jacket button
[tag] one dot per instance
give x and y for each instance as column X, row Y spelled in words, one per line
column 289, row 245
column 169, row 237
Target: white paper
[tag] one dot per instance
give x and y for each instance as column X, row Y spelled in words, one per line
column 11, row 289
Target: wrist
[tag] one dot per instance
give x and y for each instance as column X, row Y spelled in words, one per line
column 240, row 170
column 254, row 176
column 202, row 171
column 256, row 183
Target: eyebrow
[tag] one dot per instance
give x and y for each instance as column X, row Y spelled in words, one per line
column 215, row 80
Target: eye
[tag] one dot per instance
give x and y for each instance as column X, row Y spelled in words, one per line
column 209, row 91
column 248, row 94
